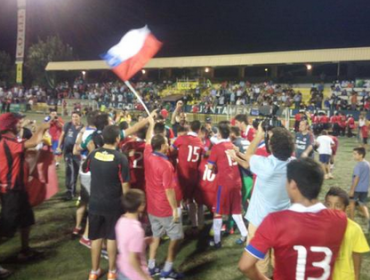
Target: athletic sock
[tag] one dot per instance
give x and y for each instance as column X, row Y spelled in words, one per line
column 113, row 271
column 217, row 225
column 200, row 216
column 240, row 223
column 151, row 264
column 96, row 272
column 192, row 214
column 167, row 266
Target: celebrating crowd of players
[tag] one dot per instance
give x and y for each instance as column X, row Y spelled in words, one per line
column 139, row 181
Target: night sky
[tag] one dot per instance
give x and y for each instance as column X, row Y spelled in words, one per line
column 199, row 27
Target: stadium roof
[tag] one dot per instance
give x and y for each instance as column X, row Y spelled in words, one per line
column 285, row 57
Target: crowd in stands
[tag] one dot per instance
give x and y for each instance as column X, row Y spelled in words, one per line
column 342, row 96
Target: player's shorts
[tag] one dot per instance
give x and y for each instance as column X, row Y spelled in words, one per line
column 334, row 151
column 165, row 225
column 203, row 197
column 16, row 212
column 54, row 145
column 85, row 179
column 324, row 158
column 102, row 226
column 360, row 197
column 188, row 187
column 228, row 201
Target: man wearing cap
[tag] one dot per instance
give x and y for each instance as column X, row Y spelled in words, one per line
column 16, row 210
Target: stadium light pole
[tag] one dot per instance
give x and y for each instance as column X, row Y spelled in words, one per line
column 21, row 39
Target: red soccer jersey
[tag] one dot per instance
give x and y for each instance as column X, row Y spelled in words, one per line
column 159, row 176
column 324, row 119
column 249, row 133
column 306, row 241
column 190, row 150
column 205, row 194
column 13, row 168
column 228, row 174
column 135, row 154
column 351, row 123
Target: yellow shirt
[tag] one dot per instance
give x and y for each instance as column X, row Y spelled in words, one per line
column 354, row 242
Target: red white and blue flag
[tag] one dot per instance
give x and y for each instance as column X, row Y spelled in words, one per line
column 134, row 50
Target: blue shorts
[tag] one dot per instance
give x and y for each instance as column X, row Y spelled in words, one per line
column 324, row 158
column 54, row 145
column 360, row 197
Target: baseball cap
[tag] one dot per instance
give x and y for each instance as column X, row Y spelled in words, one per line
column 9, row 120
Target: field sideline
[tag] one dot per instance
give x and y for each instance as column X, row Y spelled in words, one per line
column 64, row 258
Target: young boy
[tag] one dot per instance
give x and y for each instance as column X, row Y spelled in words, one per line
column 109, row 181
column 348, row 263
column 131, row 260
column 360, row 183
column 325, row 144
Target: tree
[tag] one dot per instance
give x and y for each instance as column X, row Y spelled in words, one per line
column 41, row 53
column 5, row 69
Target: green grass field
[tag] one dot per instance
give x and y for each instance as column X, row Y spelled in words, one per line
column 64, row 258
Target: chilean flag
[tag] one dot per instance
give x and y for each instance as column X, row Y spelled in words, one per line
column 134, row 50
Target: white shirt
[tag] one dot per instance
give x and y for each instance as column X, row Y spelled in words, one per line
column 325, row 142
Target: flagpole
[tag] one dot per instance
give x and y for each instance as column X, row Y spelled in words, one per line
column 137, row 96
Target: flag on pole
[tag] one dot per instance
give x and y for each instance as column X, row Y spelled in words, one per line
column 134, row 50
column 43, row 179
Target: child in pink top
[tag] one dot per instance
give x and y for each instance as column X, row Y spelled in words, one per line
column 131, row 260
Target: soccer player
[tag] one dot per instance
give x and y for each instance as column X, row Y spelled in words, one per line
column 306, row 238
column 162, row 204
column 229, row 198
column 109, row 181
column 206, row 190
column 134, row 151
column 348, row 263
column 360, row 184
column 247, row 131
column 189, row 149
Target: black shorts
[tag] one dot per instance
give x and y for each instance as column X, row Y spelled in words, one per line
column 16, row 212
column 364, row 140
column 102, row 226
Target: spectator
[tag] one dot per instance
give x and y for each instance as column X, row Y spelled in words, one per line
column 162, row 205
column 305, row 178
column 109, row 181
column 56, row 127
column 270, row 171
column 16, row 212
column 131, row 259
column 360, row 184
column 348, row 263
column 67, row 140
column 304, row 141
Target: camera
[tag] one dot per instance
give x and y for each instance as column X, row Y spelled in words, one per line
column 268, row 122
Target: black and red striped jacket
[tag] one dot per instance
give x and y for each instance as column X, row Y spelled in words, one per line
column 13, row 168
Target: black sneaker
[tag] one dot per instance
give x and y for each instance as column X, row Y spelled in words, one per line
column 154, row 271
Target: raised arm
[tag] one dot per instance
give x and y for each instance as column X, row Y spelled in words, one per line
column 137, row 126
column 260, row 135
column 175, row 113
